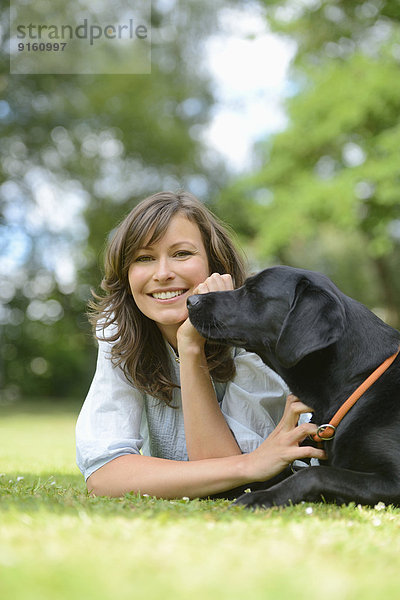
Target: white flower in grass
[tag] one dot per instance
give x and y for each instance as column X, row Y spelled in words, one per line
column 309, row 510
column 380, row 506
column 20, row 478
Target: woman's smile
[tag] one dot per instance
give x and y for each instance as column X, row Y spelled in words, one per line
column 168, row 294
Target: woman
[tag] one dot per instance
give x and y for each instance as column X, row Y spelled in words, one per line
column 169, row 414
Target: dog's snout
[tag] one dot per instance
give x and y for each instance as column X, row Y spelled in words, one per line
column 193, row 301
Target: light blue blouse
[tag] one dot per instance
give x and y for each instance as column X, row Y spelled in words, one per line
column 117, row 419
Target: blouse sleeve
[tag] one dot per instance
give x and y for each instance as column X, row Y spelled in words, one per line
column 108, row 425
column 254, row 401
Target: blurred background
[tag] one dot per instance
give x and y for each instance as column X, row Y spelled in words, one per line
column 284, row 117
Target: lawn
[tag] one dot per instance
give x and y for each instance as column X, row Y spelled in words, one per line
column 56, row 542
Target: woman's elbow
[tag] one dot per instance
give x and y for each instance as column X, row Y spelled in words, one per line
column 94, row 485
column 110, row 479
column 98, row 484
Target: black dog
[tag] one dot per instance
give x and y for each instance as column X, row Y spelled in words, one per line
column 323, row 344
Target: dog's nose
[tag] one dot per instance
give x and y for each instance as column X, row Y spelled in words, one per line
column 193, row 301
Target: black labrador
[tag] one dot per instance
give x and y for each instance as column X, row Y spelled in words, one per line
column 323, row 344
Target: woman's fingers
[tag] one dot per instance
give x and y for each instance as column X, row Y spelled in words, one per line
column 296, row 436
column 227, row 281
column 215, row 283
column 202, row 288
column 299, row 433
column 219, row 283
column 293, row 409
column 309, row 452
column 290, row 434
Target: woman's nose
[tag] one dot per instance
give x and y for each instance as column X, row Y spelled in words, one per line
column 163, row 270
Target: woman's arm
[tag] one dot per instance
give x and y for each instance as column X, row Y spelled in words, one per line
column 175, row 479
column 164, row 478
column 206, row 431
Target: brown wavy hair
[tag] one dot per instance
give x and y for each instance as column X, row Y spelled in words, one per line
column 137, row 343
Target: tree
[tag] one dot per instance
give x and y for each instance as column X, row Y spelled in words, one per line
column 326, row 195
column 77, row 152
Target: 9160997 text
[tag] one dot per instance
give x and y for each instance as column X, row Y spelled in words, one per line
column 42, row 47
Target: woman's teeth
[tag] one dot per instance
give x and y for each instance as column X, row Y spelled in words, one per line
column 167, row 295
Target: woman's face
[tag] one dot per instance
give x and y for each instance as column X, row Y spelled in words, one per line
column 162, row 276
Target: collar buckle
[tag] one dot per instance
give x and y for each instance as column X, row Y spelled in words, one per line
column 322, row 429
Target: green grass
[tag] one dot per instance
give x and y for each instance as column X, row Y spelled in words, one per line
column 56, row 542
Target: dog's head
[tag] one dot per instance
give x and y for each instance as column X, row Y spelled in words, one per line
column 283, row 314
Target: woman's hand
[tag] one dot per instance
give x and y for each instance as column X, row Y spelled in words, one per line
column 282, row 446
column 187, row 335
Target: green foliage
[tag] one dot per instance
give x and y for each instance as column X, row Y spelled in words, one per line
column 335, row 168
column 77, row 152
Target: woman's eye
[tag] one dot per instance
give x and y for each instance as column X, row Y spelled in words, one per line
column 183, row 253
column 143, row 258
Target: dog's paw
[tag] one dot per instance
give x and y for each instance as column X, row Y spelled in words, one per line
column 254, row 500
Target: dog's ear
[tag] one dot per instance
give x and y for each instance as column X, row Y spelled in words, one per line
column 316, row 320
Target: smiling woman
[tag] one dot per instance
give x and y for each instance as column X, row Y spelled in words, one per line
column 168, row 413
column 163, row 276
column 168, row 242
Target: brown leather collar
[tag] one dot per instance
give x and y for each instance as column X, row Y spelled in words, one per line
column 327, row 431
